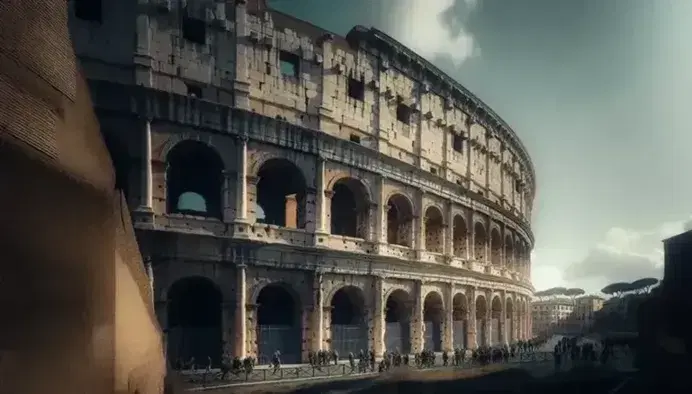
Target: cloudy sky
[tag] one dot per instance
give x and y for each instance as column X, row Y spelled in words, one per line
column 599, row 91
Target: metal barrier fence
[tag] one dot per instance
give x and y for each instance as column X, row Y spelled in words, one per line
column 334, row 370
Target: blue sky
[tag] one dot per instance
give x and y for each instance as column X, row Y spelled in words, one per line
column 599, row 91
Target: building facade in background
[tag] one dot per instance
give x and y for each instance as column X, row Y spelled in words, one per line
column 295, row 190
column 563, row 315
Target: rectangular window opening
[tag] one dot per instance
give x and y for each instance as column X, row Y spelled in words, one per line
column 355, row 138
column 194, row 91
column 89, row 10
column 403, row 113
column 289, row 63
column 433, row 170
column 194, row 30
column 356, row 89
column 457, row 143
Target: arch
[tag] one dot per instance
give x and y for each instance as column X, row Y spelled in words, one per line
column 509, row 252
column 194, row 169
column 398, row 312
column 496, row 336
column 519, row 263
column 194, row 321
column 349, row 327
column 460, row 312
column 282, row 193
column 350, row 208
column 279, row 323
column 460, row 237
column 495, row 247
column 480, row 240
column 433, row 318
column 399, row 220
column 481, row 318
column 509, row 318
column 122, row 162
column 434, row 230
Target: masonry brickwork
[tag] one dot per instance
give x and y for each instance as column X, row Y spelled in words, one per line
column 322, row 162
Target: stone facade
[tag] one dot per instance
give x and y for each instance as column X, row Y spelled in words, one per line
column 319, row 163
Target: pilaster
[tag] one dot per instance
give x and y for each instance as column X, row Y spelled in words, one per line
column 377, row 325
column 320, row 199
column 417, row 320
column 448, row 338
column 145, row 211
column 449, row 230
column 241, row 182
column 317, row 321
column 241, row 315
column 471, row 339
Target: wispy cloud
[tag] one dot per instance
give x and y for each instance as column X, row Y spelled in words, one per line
column 436, row 29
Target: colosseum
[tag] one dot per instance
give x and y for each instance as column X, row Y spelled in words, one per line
column 296, row 190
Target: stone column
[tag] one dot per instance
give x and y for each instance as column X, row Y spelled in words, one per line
column 147, row 199
column 417, row 319
column 488, row 138
column 327, row 326
column 449, row 231
column 471, row 338
column 251, row 333
column 419, row 233
column 241, row 182
column 229, row 196
column 320, row 203
column 448, row 338
column 241, row 315
column 317, row 320
column 307, row 328
column 503, row 319
column 377, row 324
column 381, row 213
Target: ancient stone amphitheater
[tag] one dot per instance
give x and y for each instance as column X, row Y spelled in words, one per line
column 295, row 190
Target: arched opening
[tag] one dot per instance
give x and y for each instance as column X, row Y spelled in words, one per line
column 509, row 318
column 278, row 324
column 521, row 259
column 460, row 236
column 509, row 253
column 348, row 321
column 397, row 334
column 434, row 230
column 495, row 248
column 495, row 327
column 433, row 317
column 194, row 177
column 122, row 162
column 399, row 221
column 194, row 321
column 481, row 318
column 350, row 208
column 281, row 194
column 480, row 241
column 460, row 313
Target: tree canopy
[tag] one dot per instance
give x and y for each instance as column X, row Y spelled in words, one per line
column 643, row 285
column 560, row 291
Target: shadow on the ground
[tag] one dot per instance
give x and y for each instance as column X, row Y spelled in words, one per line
column 591, row 380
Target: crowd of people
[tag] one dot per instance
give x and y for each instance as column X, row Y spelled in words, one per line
column 366, row 361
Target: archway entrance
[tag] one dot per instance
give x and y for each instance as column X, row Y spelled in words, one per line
column 194, row 322
column 281, row 194
column 480, row 242
column 434, row 230
column 397, row 335
column 278, row 325
column 349, row 208
column 481, row 315
column 399, row 221
column 349, row 326
column 193, row 180
column 459, row 317
column 496, row 313
column 433, row 316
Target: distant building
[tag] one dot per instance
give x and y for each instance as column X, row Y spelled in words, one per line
column 551, row 314
column 585, row 310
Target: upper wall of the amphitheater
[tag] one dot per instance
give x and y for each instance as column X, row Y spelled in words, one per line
column 364, row 87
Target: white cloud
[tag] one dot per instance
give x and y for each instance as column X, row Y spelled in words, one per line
column 625, row 255
column 435, row 28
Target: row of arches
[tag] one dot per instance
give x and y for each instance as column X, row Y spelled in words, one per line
column 194, row 321
column 195, row 179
